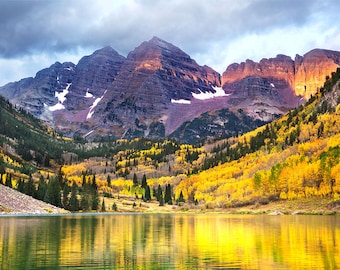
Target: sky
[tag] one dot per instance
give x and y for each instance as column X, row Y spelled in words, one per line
column 34, row 34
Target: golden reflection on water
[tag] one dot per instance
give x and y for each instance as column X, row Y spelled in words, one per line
column 139, row 241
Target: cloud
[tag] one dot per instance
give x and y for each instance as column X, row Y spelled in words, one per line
column 215, row 32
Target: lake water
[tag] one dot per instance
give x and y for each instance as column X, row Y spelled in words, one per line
column 169, row 241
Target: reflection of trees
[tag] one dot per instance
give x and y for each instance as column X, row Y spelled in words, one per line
column 169, row 241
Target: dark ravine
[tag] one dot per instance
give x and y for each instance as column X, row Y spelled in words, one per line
column 158, row 90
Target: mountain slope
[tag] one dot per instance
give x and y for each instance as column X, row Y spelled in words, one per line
column 294, row 157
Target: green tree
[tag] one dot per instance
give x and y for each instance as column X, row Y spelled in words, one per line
column 2, row 168
column 42, row 188
column 95, row 197
column 159, row 193
column 21, row 186
column 74, row 203
column 167, row 195
column 85, row 201
column 53, row 195
column 144, row 183
column 147, row 195
column 257, row 181
column 94, row 183
column 61, row 178
column 114, row 207
column 180, row 198
column 66, row 191
column 30, row 187
column 108, row 180
column 103, row 206
column 135, row 180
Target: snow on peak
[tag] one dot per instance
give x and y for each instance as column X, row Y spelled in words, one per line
column 95, row 103
column 61, row 99
column 208, row 95
column 180, row 101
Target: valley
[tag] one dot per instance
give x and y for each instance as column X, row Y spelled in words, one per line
column 248, row 143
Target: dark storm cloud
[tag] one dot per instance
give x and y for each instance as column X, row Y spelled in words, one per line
column 33, row 26
column 213, row 32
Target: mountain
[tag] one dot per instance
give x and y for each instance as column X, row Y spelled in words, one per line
column 159, row 91
column 272, row 85
column 143, row 100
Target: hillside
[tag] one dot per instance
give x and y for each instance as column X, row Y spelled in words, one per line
column 14, row 202
column 290, row 163
column 294, row 158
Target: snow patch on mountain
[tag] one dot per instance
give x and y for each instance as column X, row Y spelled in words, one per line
column 88, row 94
column 180, row 101
column 95, row 103
column 61, row 99
column 88, row 133
column 208, row 95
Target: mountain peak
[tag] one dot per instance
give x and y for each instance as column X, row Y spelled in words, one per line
column 160, row 42
column 107, row 50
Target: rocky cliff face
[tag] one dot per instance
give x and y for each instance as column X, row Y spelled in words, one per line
column 302, row 76
column 158, row 87
column 311, row 70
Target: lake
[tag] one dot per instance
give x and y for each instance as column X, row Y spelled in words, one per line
column 169, row 241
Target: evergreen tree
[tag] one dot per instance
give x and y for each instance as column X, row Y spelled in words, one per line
column 103, row 206
column 135, row 180
column 147, row 195
column 2, row 168
column 108, row 180
column 85, row 201
column 167, row 195
column 30, row 187
column 53, row 195
column 95, row 197
column 83, row 182
column 144, row 183
column 61, row 178
column 74, row 203
column 154, row 193
column 94, row 183
column 161, row 200
column 21, row 186
column 114, row 207
column 159, row 193
column 181, row 198
column 42, row 188
column 66, row 191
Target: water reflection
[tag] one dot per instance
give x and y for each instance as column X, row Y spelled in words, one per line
column 137, row 241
